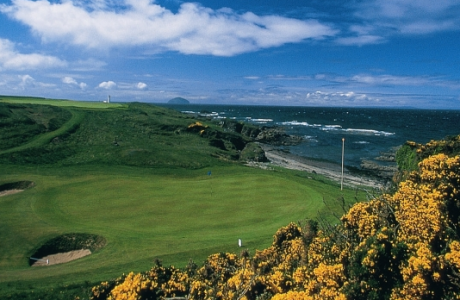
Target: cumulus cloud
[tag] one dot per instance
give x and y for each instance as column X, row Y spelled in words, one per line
column 13, row 84
column 141, row 86
column 26, row 81
column 108, row 85
column 194, row 29
column 11, row 59
column 71, row 81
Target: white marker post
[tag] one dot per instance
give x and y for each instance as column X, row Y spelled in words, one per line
column 239, row 243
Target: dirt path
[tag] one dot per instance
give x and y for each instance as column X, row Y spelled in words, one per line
column 330, row 170
column 61, row 258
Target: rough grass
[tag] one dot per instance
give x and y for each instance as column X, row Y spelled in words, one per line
column 141, row 135
column 46, row 137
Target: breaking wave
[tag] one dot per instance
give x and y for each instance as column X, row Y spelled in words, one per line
column 355, row 131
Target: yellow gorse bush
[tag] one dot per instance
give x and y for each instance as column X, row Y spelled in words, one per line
column 197, row 127
column 131, row 288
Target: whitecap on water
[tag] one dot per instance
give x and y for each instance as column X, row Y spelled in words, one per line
column 368, row 132
column 294, row 123
column 361, row 142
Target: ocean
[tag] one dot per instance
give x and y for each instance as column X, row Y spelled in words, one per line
column 368, row 132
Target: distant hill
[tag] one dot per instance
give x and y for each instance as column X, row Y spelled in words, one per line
column 178, row 100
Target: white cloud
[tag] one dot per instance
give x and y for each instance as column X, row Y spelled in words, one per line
column 13, row 84
column 26, row 81
column 141, row 86
column 410, row 8
column 360, row 40
column 108, row 85
column 90, row 64
column 394, row 80
column 192, row 30
column 378, row 20
column 93, row 4
column 71, row 81
column 340, row 98
column 10, row 59
column 411, row 16
column 383, row 80
column 282, row 95
column 428, row 26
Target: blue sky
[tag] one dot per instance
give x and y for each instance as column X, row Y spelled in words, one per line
column 395, row 53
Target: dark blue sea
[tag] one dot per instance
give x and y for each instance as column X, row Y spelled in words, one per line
column 368, row 132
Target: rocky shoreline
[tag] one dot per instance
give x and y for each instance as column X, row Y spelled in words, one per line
column 332, row 171
column 277, row 137
column 258, row 147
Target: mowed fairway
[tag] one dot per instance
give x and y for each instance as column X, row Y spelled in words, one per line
column 174, row 215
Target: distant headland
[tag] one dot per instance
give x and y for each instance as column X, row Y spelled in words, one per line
column 178, row 100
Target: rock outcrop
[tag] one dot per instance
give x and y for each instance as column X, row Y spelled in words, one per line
column 277, row 137
column 376, row 169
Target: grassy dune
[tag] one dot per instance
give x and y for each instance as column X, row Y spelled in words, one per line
column 149, row 197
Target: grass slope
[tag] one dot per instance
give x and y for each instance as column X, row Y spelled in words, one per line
column 45, row 138
column 138, row 178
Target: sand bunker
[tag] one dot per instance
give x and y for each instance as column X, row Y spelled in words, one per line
column 65, row 248
column 9, row 192
column 15, row 187
column 60, row 258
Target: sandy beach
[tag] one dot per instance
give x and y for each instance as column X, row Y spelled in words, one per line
column 329, row 170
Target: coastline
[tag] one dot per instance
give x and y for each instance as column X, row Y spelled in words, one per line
column 329, row 170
